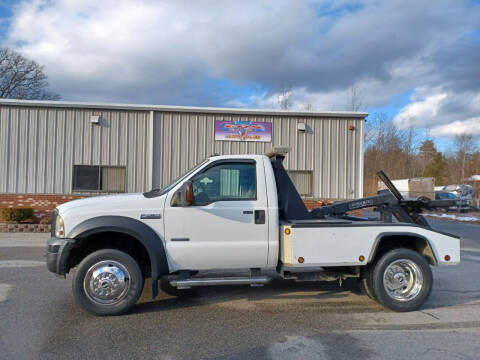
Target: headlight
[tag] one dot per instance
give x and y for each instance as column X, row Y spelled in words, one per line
column 59, row 227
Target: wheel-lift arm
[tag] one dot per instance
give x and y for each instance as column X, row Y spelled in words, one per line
column 387, row 202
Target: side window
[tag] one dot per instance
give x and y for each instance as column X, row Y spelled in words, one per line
column 225, row 182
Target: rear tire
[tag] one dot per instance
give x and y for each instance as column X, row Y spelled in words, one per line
column 107, row 282
column 366, row 282
column 401, row 280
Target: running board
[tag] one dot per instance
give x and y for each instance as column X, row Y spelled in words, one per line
column 252, row 281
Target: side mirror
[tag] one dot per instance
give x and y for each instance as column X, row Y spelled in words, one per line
column 189, row 194
column 183, row 196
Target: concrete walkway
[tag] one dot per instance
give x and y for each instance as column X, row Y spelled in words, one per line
column 23, row 239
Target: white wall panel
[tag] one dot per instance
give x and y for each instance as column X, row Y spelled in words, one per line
column 327, row 148
column 39, row 146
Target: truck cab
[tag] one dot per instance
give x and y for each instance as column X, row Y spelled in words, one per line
column 237, row 212
column 232, row 220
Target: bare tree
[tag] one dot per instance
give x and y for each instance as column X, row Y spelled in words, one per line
column 390, row 149
column 409, row 147
column 308, row 106
column 284, row 99
column 21, row 78
column 355, row 101
column 465, row 147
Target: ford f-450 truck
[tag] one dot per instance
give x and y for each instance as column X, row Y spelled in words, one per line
column 242, row 212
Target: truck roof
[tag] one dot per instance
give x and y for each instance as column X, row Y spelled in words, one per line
column 238, row 156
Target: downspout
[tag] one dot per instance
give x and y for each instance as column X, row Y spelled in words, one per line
column 150, row 150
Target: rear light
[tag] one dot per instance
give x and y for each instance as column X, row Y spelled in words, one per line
column 447, row 257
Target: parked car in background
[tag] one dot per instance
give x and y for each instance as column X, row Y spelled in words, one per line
column 463, row 192
column 460, row 204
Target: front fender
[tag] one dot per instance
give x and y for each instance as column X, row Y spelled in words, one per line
column 137, row 229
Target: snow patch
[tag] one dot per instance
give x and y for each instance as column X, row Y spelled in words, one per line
column 455, row 217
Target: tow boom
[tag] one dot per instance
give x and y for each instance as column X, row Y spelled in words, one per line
column 387, row 202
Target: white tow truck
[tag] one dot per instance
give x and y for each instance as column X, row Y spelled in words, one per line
column 242, row 212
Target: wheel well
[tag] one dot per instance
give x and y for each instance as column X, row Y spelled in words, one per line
column 418, row 244
column 111, row 240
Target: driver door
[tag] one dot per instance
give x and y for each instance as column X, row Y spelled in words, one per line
column 226, row 225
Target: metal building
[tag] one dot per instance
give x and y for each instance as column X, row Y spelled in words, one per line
column 55, row 147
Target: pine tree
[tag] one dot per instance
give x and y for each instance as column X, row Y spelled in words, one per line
column 427, row 151
column 436, row 168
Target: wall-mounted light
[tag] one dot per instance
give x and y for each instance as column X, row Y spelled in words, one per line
column 95, row 119
column 301, row 127
column 351, row 127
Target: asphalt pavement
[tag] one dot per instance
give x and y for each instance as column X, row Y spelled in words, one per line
column 283, row 320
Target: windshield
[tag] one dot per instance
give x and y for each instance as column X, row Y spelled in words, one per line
column 160, row 192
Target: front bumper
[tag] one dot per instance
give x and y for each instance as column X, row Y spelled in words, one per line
column 58, row 251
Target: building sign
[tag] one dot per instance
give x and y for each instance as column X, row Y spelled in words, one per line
column 243, row 131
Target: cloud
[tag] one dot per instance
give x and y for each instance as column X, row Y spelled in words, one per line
column 469, row 126
column 168, row 51
column 424, row 111
column 445, row 112
column 155, row 51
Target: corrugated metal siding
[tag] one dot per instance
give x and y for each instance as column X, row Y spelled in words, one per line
column 39, row 146
column 328, row 148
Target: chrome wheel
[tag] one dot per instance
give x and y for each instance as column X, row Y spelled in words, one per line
column 403, row 280
column 107, row 282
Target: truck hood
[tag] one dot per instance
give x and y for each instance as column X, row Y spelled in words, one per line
column 108, row 203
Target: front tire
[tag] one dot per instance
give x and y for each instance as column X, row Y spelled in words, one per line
column 401, row 280
column 107, row 282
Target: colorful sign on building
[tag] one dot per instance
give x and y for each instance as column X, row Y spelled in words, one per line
column 243, row 131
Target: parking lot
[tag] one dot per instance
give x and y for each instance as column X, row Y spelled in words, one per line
column 283, row 320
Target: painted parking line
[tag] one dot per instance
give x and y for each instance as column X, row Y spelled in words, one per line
column 4, row 290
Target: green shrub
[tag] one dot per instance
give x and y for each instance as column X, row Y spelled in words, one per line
column 17, row 214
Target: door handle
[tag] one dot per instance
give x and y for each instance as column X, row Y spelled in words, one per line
column 259, row 216
column 248, row 212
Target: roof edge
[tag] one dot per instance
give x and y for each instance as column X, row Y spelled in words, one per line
column 187, row 109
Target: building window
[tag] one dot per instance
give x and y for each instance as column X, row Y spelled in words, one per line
column 302, row 179
column 99, row 178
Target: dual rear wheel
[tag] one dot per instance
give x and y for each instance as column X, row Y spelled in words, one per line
column 400, row 279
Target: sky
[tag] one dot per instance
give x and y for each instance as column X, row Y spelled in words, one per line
column 418, row 61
